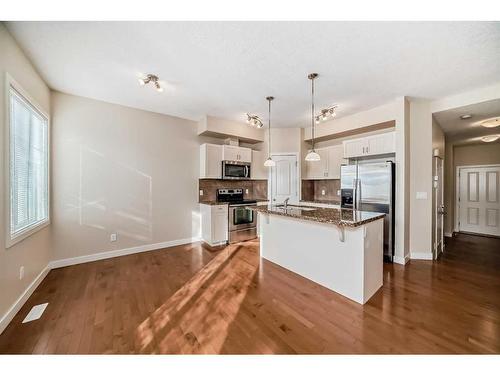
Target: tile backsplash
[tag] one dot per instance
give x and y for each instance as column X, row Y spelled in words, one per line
column 257, row 189
column 312, row 190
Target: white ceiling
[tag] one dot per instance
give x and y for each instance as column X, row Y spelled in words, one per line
column 470, row 130
column 228, row 68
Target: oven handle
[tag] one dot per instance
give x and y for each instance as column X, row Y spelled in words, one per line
column 244, row 204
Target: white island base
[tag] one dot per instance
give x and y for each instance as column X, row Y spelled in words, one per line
column 349, row 263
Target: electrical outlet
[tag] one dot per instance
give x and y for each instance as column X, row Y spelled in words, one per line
column 21, row 272
column 112, row 238
column 338, row 193
column 201, row 193
column 246, row 191
column 323, row 192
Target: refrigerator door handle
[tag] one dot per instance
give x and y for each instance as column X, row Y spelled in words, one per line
column 358, row 193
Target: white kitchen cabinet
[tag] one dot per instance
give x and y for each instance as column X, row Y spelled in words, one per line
column 329, row 165
column 236, row 153
column 214, row 224
column 335, row 160
column 372, row 145
column 210, row 161
column 258, row 170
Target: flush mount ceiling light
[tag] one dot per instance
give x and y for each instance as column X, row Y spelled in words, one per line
column 491, row 123
column 254, row 120
column 465, row 117
column 326, row 113
column 269, row 162
column 151, row 78
column 312, row 155
column 490, row 138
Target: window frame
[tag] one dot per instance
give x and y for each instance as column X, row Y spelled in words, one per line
column 11, row 240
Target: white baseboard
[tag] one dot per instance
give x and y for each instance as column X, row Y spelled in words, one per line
column 9, row 315
column 448, row 234
column 118, row 253
column 401, row 260
column 421, row 256
column 14, row 309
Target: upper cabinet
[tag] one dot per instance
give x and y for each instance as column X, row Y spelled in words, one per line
column 236, row 153
column 259, row 171
column 328, row 167
column 210, row 161
column 368, row 146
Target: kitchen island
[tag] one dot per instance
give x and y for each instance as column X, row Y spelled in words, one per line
column 340, row 249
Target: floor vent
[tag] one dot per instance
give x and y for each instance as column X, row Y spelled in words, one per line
column 35, row 312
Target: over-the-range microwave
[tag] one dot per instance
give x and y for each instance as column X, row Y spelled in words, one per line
column 235, row 170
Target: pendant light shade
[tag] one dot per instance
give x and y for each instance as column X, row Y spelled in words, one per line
column 312, row 155
column 269, row 162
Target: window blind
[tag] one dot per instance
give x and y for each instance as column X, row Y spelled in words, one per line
column 28, row 165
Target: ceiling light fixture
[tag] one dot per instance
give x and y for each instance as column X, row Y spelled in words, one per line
column 254, row 120
column 327, row 113
column 312, row 155
column 491, row 123
column 490, row 138
column 465, row 117
column 269, row 162
column 151, row 78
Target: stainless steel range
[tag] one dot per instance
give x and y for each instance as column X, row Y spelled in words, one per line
column 242, row 223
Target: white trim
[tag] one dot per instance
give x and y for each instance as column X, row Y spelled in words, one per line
column 422, row 256
column 14, row 309
column 12, row 240
column 117, row 253
column 401, row 260
column 457, row 189
column 448, row 234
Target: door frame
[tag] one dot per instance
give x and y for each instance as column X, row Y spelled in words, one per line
column 299, row 176
column 457, row 189
column 436, row 209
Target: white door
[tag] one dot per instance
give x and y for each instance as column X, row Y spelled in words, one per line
column 284, row 183
column 479, row 201
column 438, row 207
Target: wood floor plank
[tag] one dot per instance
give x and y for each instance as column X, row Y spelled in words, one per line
column 192, row 299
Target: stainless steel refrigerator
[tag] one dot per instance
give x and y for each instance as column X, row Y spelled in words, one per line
column 369, row 186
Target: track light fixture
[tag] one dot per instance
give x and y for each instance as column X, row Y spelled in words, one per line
column 151, row 78
column 254, row 120
column 326, row 113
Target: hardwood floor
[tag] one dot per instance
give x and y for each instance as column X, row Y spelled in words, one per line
column 190, row 300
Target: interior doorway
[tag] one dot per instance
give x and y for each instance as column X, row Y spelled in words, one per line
column 478, row 199
column 438, row 207
column 284, row 179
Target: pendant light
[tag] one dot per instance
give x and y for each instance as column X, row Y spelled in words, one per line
column 269, row 162
column 312, row 155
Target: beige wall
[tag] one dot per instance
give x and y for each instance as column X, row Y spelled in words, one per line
column 33, row 252
column 421, row 179
column 478, row 154
column 120, row 170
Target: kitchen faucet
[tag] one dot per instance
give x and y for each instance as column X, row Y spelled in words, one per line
column 285, row 202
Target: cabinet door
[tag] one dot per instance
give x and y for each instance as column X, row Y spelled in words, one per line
column 335, row 160
column 258, row 170
column 381, row 144
column 354, row 148
column 219, row 225
column 318, row 170
column 230, row 153
column 245, row 154
column 210, row 161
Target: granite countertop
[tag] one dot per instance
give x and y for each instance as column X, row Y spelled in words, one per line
column 337, row 216
column 215, row 203
column 324, row 201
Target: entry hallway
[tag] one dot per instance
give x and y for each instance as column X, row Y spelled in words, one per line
column 188, row 299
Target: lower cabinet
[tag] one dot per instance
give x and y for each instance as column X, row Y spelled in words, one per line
column 214, row 224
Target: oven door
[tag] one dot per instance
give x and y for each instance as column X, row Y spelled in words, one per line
column 235, row 171
column 241, row 218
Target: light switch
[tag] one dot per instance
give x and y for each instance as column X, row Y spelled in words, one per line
column 246, row 191
column 201, row 193
column 421, row 195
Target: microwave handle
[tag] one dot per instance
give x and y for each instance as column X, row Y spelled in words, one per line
column 247, row 171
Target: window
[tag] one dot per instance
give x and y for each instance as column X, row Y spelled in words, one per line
column 28, row 167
